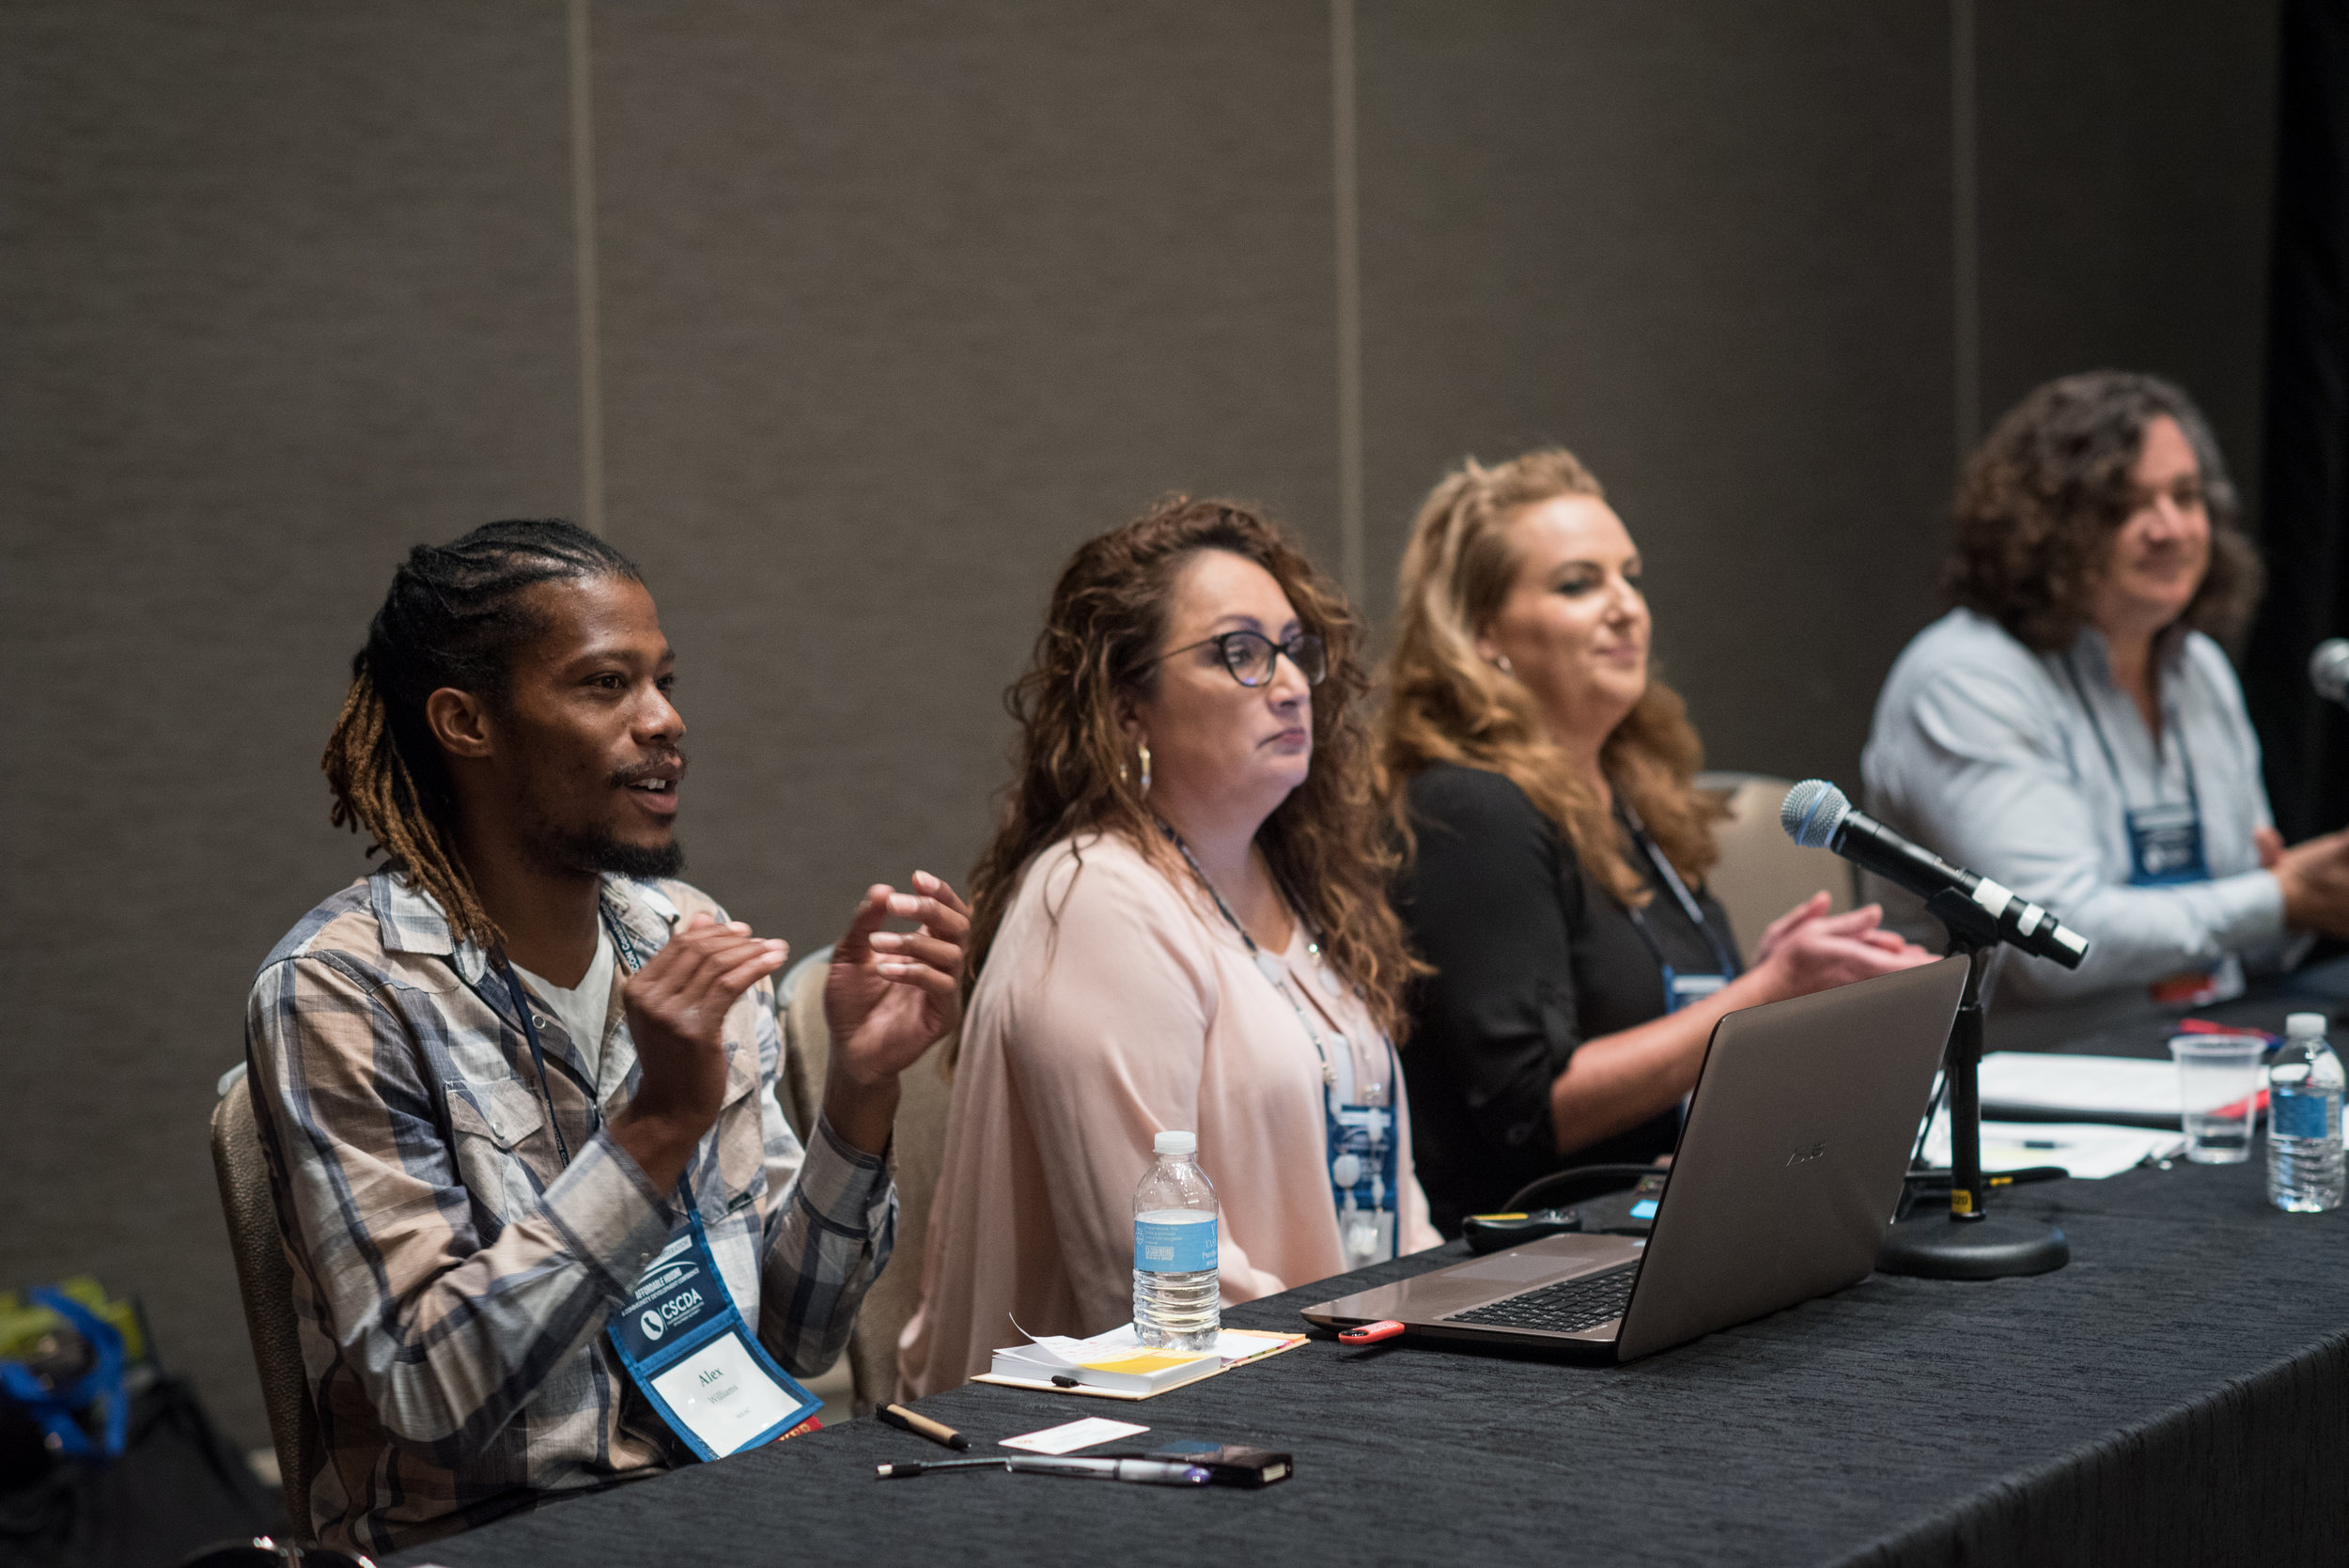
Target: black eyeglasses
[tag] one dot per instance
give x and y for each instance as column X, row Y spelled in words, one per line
column 262, row 1552
column 1251, row 654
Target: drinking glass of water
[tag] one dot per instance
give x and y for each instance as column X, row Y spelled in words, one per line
column 2218, row 1084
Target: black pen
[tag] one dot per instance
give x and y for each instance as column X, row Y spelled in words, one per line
column 904, row 1471
column 1156, row 1472
column 922, row 1426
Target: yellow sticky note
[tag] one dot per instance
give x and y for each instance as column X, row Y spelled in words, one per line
column 1143, row 1365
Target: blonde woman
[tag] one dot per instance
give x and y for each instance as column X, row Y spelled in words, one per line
column 1542, row 779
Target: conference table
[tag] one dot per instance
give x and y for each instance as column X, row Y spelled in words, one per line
column 2178, row 1395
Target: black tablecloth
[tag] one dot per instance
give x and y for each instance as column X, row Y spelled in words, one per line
column 2179, row 1394
column 2093, row 1029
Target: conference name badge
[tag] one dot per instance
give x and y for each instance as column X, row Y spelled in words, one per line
column 1681, row 989
column 686, row 1345
column 2165, row 847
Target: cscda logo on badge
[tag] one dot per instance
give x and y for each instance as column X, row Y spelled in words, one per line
column 652, row 1325
column 683, row 1305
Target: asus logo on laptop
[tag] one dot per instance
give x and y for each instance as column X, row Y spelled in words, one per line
column 1801, row 1157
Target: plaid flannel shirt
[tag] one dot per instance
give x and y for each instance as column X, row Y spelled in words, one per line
column 452, row 1277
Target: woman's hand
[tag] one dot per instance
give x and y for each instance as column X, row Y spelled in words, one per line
column 2269, row 844
column 1864, row 925
column 1808, row 950
column 888, row 997
column 2315, row 876
column 1784, row 925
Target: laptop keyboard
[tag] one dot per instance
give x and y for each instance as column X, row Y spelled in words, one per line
column 1568, row 1307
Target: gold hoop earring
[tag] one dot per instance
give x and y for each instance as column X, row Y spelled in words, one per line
column 1143, row 747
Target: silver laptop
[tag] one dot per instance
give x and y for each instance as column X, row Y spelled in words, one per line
column 1788, row 1171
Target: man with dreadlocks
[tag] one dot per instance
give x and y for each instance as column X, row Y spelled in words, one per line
column 505, row 1074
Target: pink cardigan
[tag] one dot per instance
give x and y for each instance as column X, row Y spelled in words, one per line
column 1114, row 1005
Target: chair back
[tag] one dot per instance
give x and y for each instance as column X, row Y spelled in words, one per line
column 266, row 1282
column 916, row 1154
column 1762, row 873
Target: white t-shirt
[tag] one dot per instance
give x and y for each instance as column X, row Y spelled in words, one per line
column 585, row 1008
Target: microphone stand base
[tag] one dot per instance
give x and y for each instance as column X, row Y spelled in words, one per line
column 1936, row 1247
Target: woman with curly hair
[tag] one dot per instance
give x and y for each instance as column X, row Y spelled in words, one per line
column 1543, row 779
column 1181, row 925
column 2072, row 727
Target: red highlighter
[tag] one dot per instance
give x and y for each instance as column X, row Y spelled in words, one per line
column 1370, row 1333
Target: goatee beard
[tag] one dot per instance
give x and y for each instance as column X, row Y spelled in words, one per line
column 598, row 854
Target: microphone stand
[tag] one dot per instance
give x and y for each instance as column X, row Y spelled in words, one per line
column 1968, row 1242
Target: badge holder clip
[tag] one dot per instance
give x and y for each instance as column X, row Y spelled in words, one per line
column 686, row 1346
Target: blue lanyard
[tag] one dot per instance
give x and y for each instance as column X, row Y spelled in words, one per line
column 1688, row 905
column 2186, row 756
column 1266, row 967
column 537, row 1057
column 1348, row 1131
column 630, row 964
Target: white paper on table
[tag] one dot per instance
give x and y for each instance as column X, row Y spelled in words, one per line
column 2088, row 1086
column 1071, row 1435
column 1059, row 1353
column 1052, row 1353
column 2088, row 1149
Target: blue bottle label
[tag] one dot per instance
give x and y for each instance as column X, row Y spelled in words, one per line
column 1185, row 1247
column 2292, row 1113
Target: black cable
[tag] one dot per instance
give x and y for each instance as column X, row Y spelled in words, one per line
column 1933, row 1109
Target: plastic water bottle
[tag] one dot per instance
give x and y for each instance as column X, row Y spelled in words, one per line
column 1178, row 1303
column 2304, row 1093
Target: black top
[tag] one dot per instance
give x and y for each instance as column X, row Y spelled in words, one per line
column 1532, row 959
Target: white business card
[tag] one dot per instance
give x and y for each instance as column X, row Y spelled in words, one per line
column 1071, row 1435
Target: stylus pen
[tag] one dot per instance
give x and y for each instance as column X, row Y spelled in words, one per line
column 1155, row 1472
column 922, row 1426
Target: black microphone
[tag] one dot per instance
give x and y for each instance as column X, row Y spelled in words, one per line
column 2328, row 670
column 1818, row 815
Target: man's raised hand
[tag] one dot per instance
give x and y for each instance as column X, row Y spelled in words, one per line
column 888, row 998
column 677, row 1007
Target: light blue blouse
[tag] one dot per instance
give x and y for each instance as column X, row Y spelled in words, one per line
column 1982, row 751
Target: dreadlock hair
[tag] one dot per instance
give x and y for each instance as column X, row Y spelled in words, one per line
column 454, row 618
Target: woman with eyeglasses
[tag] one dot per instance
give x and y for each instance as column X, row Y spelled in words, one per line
column 1181, row 925
column 1543, row 780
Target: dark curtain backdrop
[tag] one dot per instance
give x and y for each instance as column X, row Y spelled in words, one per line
column 2307, row 477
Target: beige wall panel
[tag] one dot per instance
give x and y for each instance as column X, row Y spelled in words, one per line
column 1706, row 246
column 287, row 287
column 901, row 303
